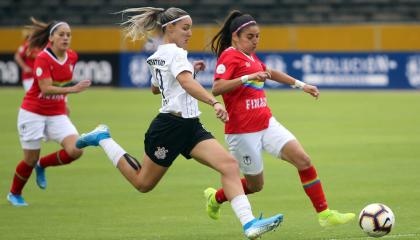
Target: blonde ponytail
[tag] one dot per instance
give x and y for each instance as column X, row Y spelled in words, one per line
column 146, row 21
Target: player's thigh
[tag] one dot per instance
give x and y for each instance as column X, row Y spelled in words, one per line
column 246, row 148
column 212, row 154
column 31, row 128
column 60, row 127
column 275, row 138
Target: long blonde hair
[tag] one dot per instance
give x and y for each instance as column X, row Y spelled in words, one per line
column 148, row 20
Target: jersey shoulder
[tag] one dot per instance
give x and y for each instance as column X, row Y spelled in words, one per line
column 230, row 56
column 72, row 55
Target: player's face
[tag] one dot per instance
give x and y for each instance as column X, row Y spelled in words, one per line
column 180, row 32
column 61, row 38
column 248, row 39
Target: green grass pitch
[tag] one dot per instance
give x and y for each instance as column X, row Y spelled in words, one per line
column 364, row 144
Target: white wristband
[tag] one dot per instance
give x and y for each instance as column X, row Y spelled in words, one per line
column 298, row 84
column 244, row 78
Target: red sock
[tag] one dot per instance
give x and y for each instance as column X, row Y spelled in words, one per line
column 313, row 188
column 22, row 174
column 54, row 159
column 220, row 194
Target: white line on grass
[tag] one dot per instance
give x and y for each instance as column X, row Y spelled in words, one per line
column 389, row 236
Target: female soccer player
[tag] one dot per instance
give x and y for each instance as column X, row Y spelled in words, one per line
column 251, row 128
column 43, row 111
column 177, row 129
column 25, row 58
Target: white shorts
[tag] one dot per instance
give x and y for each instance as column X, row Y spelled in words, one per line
column 27, row 83
column 33, row 128
column 247, row 147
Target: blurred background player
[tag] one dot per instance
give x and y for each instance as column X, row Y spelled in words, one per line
column 177, row 129
column 43, row 111
column 240, row 78
column 25, row 56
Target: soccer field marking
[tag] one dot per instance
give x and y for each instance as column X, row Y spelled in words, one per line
column 389, row 236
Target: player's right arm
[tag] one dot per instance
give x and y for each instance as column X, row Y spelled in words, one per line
column 221, row 86
column 45, row 82
column 47, row 87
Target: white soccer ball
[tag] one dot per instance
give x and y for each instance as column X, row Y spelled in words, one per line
column 376, row 220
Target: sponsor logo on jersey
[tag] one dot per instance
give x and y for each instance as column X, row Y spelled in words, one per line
column 38, row 72
column 220, row 69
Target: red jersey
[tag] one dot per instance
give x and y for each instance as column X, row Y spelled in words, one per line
column 247, row 104
column 61, row 72
column 28, row 57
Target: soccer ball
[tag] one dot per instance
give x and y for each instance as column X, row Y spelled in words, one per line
column 376, row 220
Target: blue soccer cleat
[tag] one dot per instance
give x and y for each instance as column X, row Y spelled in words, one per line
column 16, row 200
column 257, row 227
column 41, row 180
column 92, row 138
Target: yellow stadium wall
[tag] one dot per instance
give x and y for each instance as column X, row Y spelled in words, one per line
column 396, row 37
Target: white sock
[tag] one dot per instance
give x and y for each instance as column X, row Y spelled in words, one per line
column 242, row 209
column 112, row 149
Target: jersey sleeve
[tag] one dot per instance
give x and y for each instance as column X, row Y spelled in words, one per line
column 22, row 50
column 153, row 80
column 41, row 68
column 225, row 67
column 180, row 63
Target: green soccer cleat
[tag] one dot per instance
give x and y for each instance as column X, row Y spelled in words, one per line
column 213, row 207
column 329, row 218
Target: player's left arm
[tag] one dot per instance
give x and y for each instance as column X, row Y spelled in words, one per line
column 284, row 78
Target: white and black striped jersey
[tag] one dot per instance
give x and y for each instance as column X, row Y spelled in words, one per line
column 165, row 64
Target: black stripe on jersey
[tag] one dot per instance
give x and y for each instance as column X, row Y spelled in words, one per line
column 52, row 53
column 186, row 104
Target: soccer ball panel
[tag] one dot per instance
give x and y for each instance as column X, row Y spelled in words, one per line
column 376, row 220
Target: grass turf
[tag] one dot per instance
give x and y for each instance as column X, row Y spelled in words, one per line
column 365, row 146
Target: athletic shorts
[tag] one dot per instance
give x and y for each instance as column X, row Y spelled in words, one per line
column 247, row 147
column 33, row 128
column 170, row 135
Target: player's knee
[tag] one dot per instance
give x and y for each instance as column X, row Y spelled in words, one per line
column 255, row 187
column 303, row 161
column 144, row 188
column 229, row 166
column 75, row 153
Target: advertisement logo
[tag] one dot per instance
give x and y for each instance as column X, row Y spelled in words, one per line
column 139, row 71
column 9, row 72
column 355, row 71
column 99, row 72
column 413, row 71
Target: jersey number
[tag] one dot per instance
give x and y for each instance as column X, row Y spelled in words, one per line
column 160, row 82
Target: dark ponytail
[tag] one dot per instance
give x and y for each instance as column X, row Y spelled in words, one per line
column 40, row 34
column 234, row 22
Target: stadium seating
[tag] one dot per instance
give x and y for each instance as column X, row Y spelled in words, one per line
column 99, row 12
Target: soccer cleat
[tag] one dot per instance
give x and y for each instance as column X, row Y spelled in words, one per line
column 329, row 218
column 92, row 138
column 16, row 200
column 41, row 180
column 213, row 207
column 257, row 227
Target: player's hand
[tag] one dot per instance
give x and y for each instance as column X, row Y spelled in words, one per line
column 199, row 66
column 260, row 76
column 81, row 86
column 221, row 112
column 27, row 69
column 312, row 90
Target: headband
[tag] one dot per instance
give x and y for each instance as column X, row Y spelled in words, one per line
column 244, row 25
column 175, row 20
column 56, row 26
